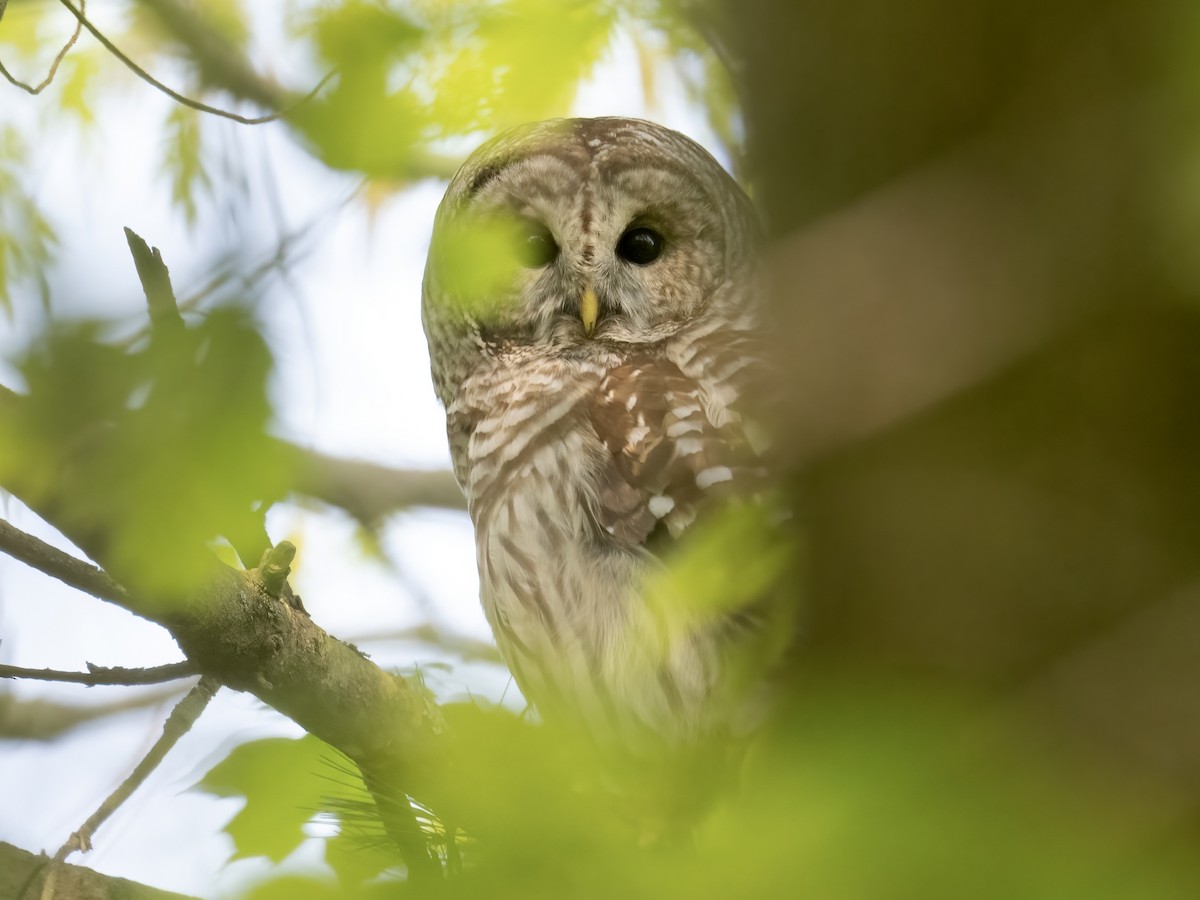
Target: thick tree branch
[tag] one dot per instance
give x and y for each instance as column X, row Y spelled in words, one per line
column 23, row 876
column 235, row 630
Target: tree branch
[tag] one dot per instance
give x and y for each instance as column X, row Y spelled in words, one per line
column 234, row 629
column 29, row 89
column 114, row 675
column 250, row 636
column 57, row 564
column 175, row 95
column 43, row 720
column 369, row 491
column 156, row 281
column 23, row 876
column 179, row 723
column 464, row 646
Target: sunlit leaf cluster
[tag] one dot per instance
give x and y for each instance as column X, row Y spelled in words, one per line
column 159, row 441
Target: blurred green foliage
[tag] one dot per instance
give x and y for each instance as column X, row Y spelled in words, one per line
column 155, row 445
column 286, row 785
column 478, row 262
column 866, row 787
column 988, row 703
column 281, row 781
column 186, row 169
column 26, row 237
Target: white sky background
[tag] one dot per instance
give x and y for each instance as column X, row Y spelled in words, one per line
column 352, row 378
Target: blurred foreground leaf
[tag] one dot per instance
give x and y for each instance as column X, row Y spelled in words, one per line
column 443, row 71
column 183, row 159
column 151, row 451
column 866, row 786
column 477, row 66
column 284, row 783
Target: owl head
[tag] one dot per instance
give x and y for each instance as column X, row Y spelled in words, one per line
column 575, row 236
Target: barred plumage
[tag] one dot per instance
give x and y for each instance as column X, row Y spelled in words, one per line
column 592, row 398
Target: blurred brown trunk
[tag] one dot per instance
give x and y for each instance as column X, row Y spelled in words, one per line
column 992, row 347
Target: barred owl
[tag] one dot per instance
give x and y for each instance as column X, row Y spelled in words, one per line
column 590, row 307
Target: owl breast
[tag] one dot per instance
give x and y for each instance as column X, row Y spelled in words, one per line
column 561, row 589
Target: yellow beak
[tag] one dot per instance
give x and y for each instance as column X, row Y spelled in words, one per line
column 589, row 310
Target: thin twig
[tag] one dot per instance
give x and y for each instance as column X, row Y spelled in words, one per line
column 180, row 98
column 116, row 675
column 182, row 717
column 15, row 82
column 369, row 491
column 463, row 646
column 66, row 568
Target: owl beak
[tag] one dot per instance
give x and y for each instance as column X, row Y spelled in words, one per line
column 589, row 310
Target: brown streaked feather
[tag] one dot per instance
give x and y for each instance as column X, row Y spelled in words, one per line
column 667, row 456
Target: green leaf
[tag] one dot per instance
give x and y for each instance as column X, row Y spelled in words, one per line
column 21, row 28
column 490, row 65
column 296, row 887
column 27, row 240
column 285, row 784
column 183, row 160
column 357, row 858
column 363, row 122
column 154, row 450
column 472, row 67
column 77, row 82
column 478, row 265
column 228, row 18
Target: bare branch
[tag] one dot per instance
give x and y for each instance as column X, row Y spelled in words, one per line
column 175, row 95
column 219, row 62
column 369, row 491
column 29, row 89
column 463, row 646
column 57, row 564
column 156, row 281
column 181, row 720
column 114, row 675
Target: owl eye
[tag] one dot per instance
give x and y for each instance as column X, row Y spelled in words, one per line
column 640, row 245
column 535, row 245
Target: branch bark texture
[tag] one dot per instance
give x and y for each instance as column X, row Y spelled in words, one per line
column 23, row 875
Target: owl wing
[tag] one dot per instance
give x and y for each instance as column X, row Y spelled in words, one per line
column 674, row 442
